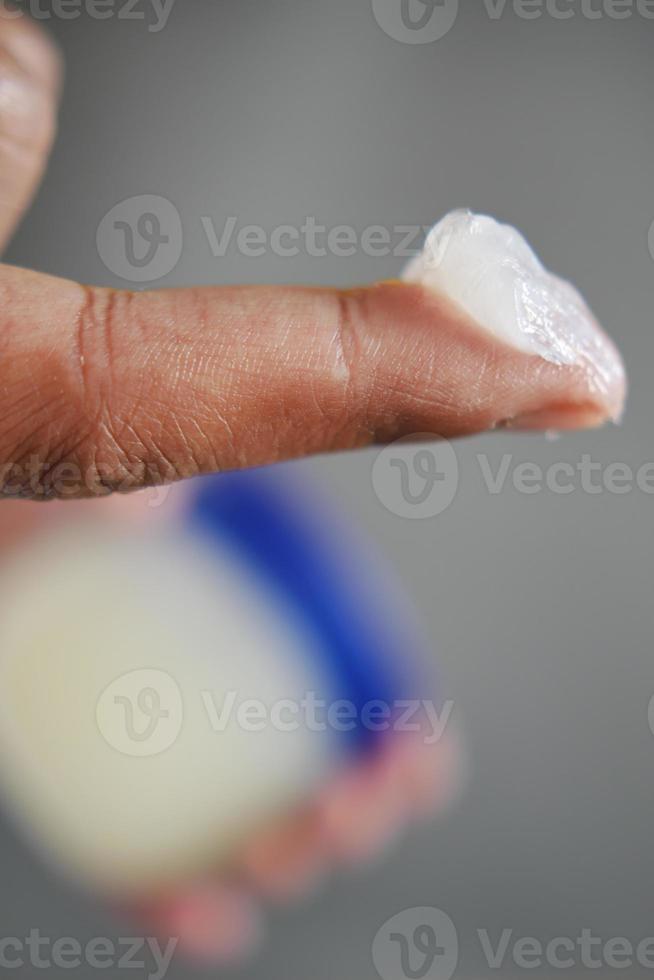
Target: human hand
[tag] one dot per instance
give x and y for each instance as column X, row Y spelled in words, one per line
column 134, row 388
column 139, row 388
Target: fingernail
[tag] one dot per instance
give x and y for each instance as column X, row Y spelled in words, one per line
column 554, row 420
column 490, row 271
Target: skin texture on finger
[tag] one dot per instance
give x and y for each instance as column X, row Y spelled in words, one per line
column 30, row 83
column 129, row 389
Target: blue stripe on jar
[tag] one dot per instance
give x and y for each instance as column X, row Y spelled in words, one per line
column 369, row 652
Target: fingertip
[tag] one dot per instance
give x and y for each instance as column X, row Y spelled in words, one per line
column 211, row 922
column 362, row 813
column 478, row 382
column 490, row 273
column 285, row 862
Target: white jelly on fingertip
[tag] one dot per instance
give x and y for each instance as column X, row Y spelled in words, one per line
column 490, row 272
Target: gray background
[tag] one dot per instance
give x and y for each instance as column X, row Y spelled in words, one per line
column 539, row 607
